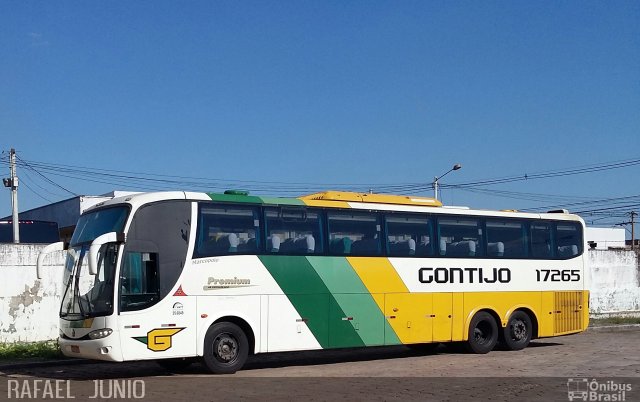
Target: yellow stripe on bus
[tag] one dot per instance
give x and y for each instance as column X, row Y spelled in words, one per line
column 324, row 203
column 378, row 275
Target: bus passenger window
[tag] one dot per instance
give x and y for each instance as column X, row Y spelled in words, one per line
column 460, row 237
column 541, row 240
column 505, row 238
column 354, row 233
column 409, row 235
column 224, row 230
column 568, row 240
column 293, row 231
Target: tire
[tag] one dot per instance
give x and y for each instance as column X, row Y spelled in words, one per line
column 225, row 348
column 172, row 365
column 483, row 333
column 518, row 332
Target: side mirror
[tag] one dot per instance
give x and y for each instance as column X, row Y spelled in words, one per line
column 59, row 246
column 94, row 249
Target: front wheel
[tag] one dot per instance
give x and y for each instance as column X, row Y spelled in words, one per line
column 517, row 333
column 225, row 348
column 483, row 333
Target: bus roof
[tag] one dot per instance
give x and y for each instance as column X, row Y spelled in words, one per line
column 335, row 199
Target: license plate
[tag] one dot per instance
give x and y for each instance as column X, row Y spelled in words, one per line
column 75, row 348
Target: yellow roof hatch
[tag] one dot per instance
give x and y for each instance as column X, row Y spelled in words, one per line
column 347, row 196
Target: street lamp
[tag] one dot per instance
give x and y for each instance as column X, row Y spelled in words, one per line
column 457, row 166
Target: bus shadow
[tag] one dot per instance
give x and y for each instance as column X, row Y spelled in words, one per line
column 95, row 370
column 316, row 357
column 86, row 370
column 536, row 344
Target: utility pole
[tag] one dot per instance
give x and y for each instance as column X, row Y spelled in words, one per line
column 633, row 232
column 12, row 182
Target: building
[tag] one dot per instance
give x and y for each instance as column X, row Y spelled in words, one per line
column 66, row 213
column 605, row 238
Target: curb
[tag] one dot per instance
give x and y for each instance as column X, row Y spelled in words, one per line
column 45, row 363
column 614, row 328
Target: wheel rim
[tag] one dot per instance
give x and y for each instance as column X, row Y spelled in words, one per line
column 482, row 333
column 518, row 330
column 225, row 348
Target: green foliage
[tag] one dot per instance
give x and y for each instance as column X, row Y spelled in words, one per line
column 23, row 350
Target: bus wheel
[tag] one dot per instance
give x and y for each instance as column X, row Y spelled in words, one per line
column 483, row 333
column 517, row 333
column 225, row 348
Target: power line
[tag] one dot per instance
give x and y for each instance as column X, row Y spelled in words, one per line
column 45, row 177
column 25, row 172
column 280, row 186
column 34, row 192
column 552, row 173
column 153, row 182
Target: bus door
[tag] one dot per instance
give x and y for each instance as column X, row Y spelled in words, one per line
column 157, row 319
column 151, row 327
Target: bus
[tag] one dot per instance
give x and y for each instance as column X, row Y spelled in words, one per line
column 182, row 276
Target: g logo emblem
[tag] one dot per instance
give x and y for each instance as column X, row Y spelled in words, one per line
column 159, row 339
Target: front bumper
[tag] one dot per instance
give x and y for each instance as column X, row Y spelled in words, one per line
column 107, row 348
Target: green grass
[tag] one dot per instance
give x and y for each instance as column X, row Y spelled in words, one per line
column 614, row 321
column 23, row 350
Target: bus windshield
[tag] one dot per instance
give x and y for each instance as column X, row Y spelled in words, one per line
column 99, row 222
column 88, row 295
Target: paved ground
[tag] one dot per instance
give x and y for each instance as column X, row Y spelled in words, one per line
column 540, row 372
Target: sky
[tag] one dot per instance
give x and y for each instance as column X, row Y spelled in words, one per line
column 288, row 97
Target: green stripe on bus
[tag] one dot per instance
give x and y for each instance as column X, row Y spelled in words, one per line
column 312, row 299
column 282, row 201
column 252, row 199
column 361, row 310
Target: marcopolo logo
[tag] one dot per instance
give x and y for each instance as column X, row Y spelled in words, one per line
column 581, row 389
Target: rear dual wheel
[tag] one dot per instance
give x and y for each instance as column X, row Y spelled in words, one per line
column 518, row 332
column 483, row 333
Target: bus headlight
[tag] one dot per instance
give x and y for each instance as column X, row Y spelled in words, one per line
column 100, row 333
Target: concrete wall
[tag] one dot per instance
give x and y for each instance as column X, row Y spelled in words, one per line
column 615, row 285
column 29, row 307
